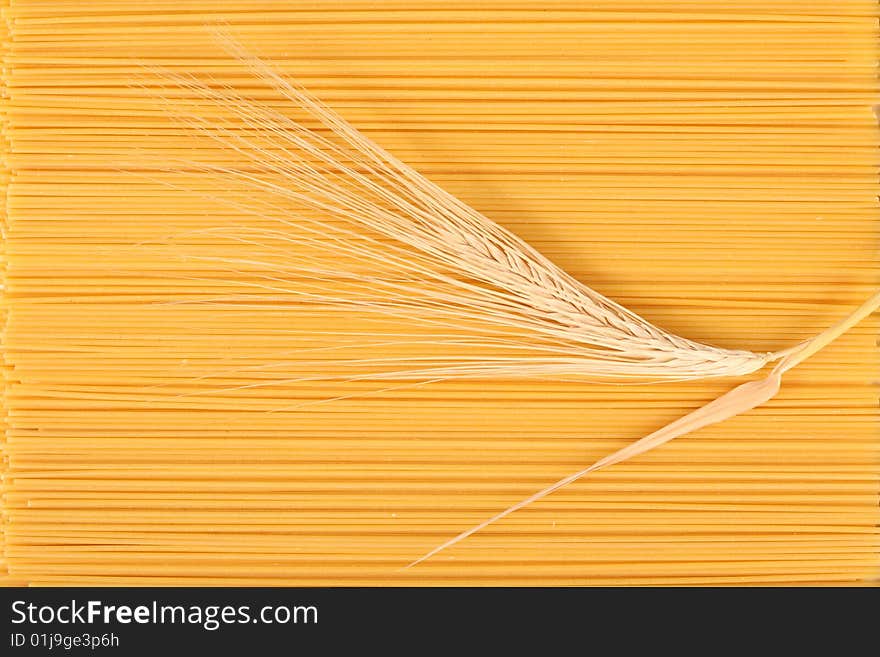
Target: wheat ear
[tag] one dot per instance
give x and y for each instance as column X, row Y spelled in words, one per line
column 427, row 257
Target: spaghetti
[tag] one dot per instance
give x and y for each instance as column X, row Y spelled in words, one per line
column 715, row 172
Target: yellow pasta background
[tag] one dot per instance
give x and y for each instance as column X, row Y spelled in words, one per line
column 711, row 166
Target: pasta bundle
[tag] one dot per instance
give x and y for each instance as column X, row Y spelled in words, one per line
column 245, row 344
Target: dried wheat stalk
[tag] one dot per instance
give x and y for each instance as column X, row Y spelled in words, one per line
column 424, row 256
